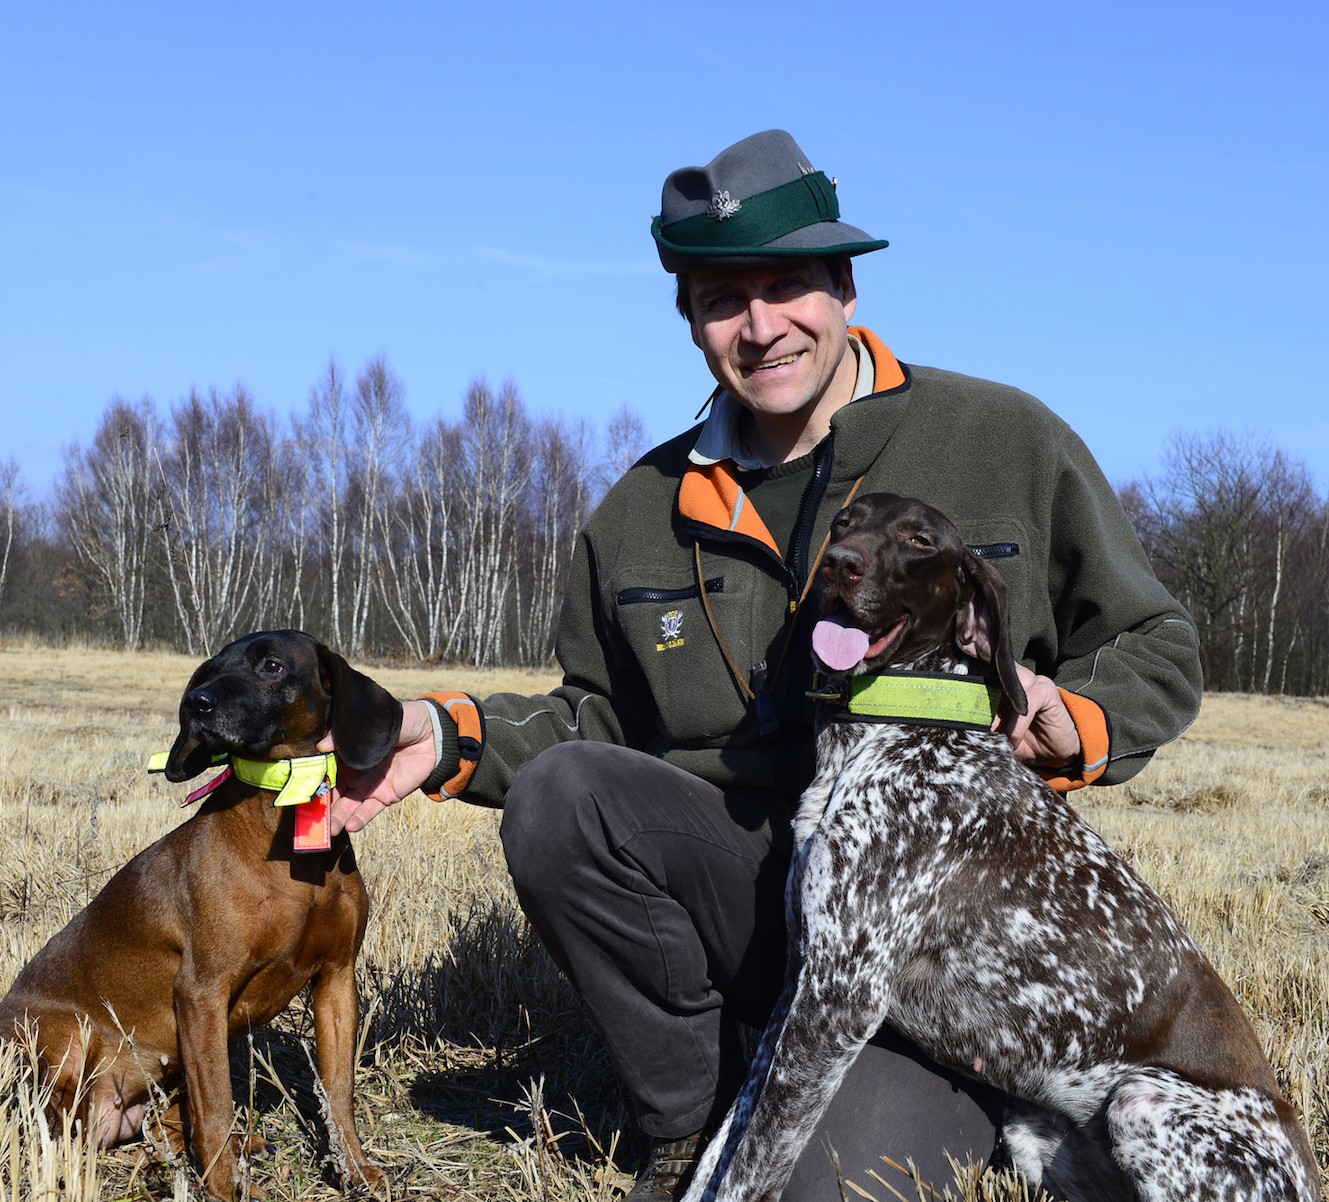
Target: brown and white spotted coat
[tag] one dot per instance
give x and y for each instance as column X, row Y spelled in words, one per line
column 941, row 887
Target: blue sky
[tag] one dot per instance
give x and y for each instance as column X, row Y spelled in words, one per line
column 1121, row 209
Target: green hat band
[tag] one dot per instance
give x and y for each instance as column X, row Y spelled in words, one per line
column 754, row 220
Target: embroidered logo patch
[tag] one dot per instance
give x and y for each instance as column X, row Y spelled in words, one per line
column 671, row 630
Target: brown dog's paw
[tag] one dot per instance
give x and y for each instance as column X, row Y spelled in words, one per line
column 368, row 1179
column 255, row 1147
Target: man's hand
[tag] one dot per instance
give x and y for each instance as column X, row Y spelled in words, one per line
column 359, row 797
column 1045, row 737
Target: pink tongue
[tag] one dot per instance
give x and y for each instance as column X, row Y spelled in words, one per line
column 839, row 647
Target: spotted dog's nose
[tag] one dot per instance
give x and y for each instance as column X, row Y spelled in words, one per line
column 843, row 565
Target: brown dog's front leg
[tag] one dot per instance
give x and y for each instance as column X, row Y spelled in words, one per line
column 200, row 1015
column 336, row 1027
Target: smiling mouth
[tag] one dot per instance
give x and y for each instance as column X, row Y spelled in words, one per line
column 772, row 364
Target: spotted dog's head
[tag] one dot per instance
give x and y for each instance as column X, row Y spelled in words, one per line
column 898, row 583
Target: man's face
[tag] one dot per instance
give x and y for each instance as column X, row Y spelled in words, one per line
column 774, row 336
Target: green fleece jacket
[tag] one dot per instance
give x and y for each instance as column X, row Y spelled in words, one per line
column 642, row 663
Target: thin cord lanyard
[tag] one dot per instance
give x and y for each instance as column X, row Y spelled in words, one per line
column 759, row 686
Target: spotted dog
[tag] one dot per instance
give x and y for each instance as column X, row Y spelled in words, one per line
column 940, row 886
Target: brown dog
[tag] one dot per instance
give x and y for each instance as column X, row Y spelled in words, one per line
column 215, row 927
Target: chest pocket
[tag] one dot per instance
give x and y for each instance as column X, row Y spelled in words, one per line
column 667, row 629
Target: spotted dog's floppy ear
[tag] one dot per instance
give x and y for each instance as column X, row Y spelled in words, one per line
column 981, row 626
column 188, row 757
column 364, row 717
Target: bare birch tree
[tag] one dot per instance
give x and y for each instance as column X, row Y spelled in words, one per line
column 380, row 430
column 495, row 462
column 293, row 515
column 107, row 498
column 11, row 495
column 626, row 442
column 415, row 580
column 556, row 507
column 324, row 436
column 217, row 475
column 1286, row 535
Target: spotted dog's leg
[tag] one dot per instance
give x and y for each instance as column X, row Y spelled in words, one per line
column 837, row 1003
column 714, row 1163
column 1182, row 1142
column 714, row 1166
column 808, row 1064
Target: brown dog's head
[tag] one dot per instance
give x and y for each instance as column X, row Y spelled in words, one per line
column 898, row 583
column 274, row 695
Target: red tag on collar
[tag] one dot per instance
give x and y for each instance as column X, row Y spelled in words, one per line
column 313, row 822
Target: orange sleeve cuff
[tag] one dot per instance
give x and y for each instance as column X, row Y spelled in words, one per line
column 463, row 710
column 1092, row 726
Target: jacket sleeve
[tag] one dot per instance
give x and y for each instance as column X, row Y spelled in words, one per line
column 604, row 699
column 1124, row 643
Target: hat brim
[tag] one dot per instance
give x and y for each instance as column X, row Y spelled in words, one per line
column 821, row 238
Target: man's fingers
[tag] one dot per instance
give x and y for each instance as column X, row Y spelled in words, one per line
column 353, row 816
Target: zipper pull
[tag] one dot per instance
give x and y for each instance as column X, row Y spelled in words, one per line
column 767, row 721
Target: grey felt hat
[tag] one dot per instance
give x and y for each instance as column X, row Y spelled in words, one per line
column 757, row 201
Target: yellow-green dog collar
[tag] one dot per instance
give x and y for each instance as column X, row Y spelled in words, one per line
column 935, row 698
column 294, row 781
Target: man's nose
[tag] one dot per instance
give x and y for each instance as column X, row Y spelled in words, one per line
column 765, row 322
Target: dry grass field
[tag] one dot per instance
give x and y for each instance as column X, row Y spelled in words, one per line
column 479, row 1077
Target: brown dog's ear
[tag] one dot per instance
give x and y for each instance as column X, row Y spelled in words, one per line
column 188, row 757
column 981, row 625
column 364, row 717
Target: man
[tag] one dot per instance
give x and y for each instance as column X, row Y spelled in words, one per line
column 647, row 799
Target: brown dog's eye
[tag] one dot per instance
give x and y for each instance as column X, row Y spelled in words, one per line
column 920, row 540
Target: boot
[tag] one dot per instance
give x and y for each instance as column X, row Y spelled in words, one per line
column 668, row 1168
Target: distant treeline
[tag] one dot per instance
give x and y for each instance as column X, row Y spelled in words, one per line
column 451, row 540
column 447, row 541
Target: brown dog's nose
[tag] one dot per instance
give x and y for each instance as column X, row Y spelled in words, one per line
column 201, row 701
column 843, row 564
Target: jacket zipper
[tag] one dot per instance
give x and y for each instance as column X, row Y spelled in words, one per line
column 656, row 596
column 813, row 496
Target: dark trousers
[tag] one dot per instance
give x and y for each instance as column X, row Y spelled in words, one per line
column 663, row 903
